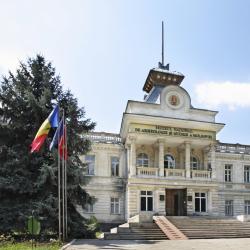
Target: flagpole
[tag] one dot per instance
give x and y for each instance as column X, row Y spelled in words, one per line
column 66, row 196
column 59, row 191
column 63, row 181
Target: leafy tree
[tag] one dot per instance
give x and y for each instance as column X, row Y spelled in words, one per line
column 29, row 181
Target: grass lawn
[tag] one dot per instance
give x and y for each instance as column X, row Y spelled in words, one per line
column 27, row 246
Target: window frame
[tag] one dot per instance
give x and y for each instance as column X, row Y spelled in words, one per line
column 90, row 208
column 115, row 201
column 192, row 162
column 148, row 195
column 169, row 163
column 88, row 162
column 228, row 169
column 246, row 173
column 201, row 198
column 247, row 207
column 142, row 160
column 229, row 208
column 115, row 166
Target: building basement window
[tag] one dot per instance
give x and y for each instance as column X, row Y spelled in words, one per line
column 146, row 201
column 247, row 207
column 89, row 208
column 229, row 208
column 200, row 202
column 114, row 205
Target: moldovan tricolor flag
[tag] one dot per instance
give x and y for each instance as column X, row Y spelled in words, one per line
column 51, row 122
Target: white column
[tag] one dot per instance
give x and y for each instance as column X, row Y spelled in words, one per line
column 128, row 159
column 161, row 157
column 156, row 153
column 187, row 159
column 132, row 158
column 181, row 158
column 213, row 162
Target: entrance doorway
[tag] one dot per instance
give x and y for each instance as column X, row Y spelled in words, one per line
column 176, row 202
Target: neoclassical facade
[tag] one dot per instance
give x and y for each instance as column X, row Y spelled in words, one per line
column 166, row 160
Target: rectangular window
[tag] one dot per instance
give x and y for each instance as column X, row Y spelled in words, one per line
column 247, row 174
column 229, row 209
column 228, row 173
column 89, row 208
column 115, row 205
column 146, row 201
column 247, row 207
column 200, row 202
column 114, row 166
column 90, row 161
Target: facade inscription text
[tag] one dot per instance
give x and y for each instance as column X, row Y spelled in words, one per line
column 172, row 131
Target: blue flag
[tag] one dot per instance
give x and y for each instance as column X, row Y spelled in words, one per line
column 54, row 117
column 57, row 136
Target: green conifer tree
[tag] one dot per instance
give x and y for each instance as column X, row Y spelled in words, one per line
column 29, row 181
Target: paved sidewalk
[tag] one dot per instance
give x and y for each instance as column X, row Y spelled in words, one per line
column 217, row 244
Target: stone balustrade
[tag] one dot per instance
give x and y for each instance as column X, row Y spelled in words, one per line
column 147, row 171
column 201, row 174
column 173, row 173
column 233, row 148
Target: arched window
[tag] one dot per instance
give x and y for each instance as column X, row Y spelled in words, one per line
column 194, row 163
column 169, row 161
column 142, row 160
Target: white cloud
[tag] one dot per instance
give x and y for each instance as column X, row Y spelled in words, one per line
column 231, row 94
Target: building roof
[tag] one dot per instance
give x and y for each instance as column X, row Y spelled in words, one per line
column 233, row 148
column 103, row 137
column 113, row 138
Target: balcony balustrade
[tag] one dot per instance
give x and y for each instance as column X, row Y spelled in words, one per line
column 174, row 173
column 201, row 174
column 147, row 171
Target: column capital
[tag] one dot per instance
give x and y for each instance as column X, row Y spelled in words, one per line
column 187, row 143
column 206, row 149
column 127, row 146
column 161, row 140
column 180, row 148
column 131, row 139
column 212, row 146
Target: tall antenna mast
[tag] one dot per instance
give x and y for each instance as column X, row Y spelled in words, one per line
column 162, row 43
column 161, row 64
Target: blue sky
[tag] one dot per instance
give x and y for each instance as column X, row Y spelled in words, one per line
column 104, row 49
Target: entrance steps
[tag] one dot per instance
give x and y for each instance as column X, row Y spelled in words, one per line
column 136, row 231
column 170, row 230
column 210, row 227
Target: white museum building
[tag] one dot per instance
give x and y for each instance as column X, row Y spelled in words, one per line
column 166, row 160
